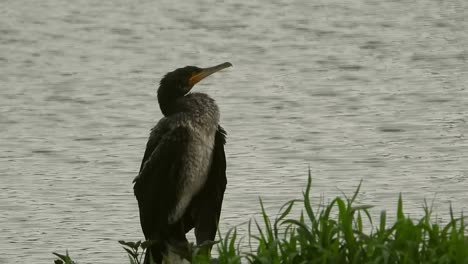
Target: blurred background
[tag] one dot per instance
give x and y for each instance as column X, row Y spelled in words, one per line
column 357, row 90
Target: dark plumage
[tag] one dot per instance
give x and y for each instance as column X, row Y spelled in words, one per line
column 183, row 173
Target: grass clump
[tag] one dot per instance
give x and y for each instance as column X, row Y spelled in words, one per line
column 339, row 232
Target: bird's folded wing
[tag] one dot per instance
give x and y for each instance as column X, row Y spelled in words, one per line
column 155, row 186
column 217, row 177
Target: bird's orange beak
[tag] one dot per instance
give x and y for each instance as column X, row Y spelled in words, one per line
column 207, row 72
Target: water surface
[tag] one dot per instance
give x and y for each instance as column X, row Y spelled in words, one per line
column 356, row 90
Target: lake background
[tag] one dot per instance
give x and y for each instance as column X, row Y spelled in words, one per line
column 357, row 90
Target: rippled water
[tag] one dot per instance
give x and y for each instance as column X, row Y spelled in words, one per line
column 372, row 90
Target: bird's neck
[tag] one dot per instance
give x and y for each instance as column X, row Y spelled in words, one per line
column 167, row 101
column 197, row 105
column 167, row 108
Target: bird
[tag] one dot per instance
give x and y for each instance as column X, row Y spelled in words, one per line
column 182, row 177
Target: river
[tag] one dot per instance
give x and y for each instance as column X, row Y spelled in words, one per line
column 355, row 90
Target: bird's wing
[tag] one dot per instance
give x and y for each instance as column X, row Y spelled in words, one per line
column 155, row 186
column 150, row 146
column 207, row 204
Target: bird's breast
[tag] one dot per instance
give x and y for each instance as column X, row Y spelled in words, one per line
column 196, row 166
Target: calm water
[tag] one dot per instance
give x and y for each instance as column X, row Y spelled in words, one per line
column 372, row 90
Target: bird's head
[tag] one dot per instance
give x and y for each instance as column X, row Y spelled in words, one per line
column 179, row 82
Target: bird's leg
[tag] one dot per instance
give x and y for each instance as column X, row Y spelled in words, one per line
column 178, row 243
column 205, row 230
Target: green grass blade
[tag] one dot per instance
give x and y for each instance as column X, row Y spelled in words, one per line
column 400, row 214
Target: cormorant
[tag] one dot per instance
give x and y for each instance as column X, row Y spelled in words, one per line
column 182, row 177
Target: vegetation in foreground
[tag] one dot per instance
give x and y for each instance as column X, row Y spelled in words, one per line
column 335, row 233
